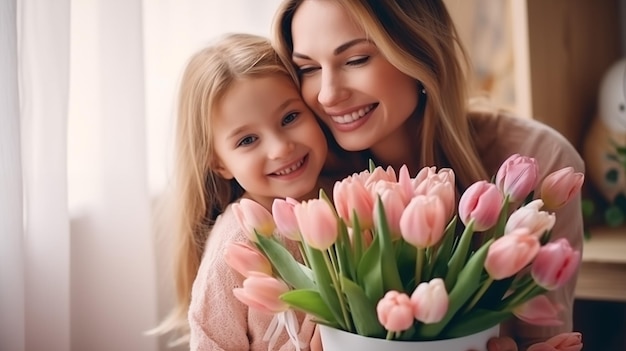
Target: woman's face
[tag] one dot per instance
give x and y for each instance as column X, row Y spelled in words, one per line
column 347, row 81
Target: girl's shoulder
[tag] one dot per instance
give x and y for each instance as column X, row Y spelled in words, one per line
column 499, row 135
column 225, row 230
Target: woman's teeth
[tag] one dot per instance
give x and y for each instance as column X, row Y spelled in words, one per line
column 290, row 169
column 351, row 117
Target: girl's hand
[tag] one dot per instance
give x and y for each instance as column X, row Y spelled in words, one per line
column 561, row 342
column 316, row 340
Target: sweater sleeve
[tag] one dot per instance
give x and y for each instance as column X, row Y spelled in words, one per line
column 217, row 320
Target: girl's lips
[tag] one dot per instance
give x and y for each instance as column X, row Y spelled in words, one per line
column 293, row 171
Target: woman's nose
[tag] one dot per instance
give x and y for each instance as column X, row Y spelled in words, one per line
column 332, row 90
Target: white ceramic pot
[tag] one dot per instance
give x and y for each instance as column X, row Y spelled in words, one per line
column 339, row 340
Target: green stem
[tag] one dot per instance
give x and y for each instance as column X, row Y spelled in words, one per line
column 479, row 294
column 333, row 277
column 390, row 335
column 515, row 300
column 419, row 262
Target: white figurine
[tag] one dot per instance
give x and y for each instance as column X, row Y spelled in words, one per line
column 605, row 166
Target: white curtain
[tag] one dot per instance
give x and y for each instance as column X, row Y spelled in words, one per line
column 87, row 95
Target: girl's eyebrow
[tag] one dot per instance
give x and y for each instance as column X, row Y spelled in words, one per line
column 341, row 48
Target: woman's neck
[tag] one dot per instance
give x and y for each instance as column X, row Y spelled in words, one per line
column 400, row 147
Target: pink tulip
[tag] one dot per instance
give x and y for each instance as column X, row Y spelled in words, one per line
column 388, row 175
column 482, row 202
column 262, row 292
column 510, row 253
column 395, row 311
column 439, row 184
column 393, row 206
column 559, row 187
column 286, row 223
column 529, row 216
column 539, row 311
column 555, row 264
column 405, row 183
column 350, row 195
column 423, row 222
column 366, row 237
column 563, row 342
column 517, row 177
column 245, row 259
column 430, row 301
column 252, row 216
column 317, row 223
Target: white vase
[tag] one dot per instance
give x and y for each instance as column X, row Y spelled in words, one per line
column 339, row 340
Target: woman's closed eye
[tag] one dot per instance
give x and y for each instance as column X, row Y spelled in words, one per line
column 306, row 70
column 357, row 61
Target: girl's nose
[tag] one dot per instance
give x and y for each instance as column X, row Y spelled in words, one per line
column 281, row 147
column 332, row 91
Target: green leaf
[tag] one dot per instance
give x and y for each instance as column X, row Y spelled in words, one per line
column 284, row 263
column 311, row 302
column 459, row 256
column 369, row 271
column 363, row 310
column 343, row 249
column 324, row 283
column 444, row 252
column 372, row 165
column 475, row 321
column 467, row 284
column 390, row 274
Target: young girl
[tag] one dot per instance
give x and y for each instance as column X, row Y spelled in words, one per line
column 385, row 77
column 243, row 131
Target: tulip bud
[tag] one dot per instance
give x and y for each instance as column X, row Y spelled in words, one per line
column 539, row 311
column 395, row 311
column 482, row 202
column 430, row 301
column 245, row 259
column 517, row 177
column 555, row 264
column 252, row 216
column 423, row 222
column 317, row 223
column 559, row 187
column 510, row 253
column 351, row 196
column 529, row 216
column 393, row 206
column 286, row 223
column 262, row 292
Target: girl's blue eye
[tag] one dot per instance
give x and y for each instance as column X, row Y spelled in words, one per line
column 247, row 141
column 290, row 118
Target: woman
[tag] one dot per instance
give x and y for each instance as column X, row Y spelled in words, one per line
column 385, row 78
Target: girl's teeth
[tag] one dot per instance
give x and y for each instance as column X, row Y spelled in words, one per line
column 291, row 169
column 351, row 117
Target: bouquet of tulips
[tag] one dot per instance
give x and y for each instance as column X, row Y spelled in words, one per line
column 393, row 256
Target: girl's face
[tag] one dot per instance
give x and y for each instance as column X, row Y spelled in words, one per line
column 268, row 140
column 347, row 81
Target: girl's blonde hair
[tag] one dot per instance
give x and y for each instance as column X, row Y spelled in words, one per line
column 200, row 194
column 418, row 38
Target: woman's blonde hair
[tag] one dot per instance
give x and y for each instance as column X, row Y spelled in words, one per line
column 200, row 194
column 418, row 38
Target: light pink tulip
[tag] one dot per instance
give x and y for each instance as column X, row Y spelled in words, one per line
column 395, row 311
column 555, row 264
column 317, row 223
column 530, row 217
column 350, row 195
column 262, row 292
column 517, row 177
column 440, row 184
column 393, row 206
column 482, row 202
column 510, row 253
column 572, row 341
column 366, row 237
column 252, row 216
column 423, row 222
column 559, row 187
column 430, row 301
column 286, row 223
column 245, row 259
column 388, row 175
column 539, row 311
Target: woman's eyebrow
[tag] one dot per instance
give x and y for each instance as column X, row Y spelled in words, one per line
column 341, row 48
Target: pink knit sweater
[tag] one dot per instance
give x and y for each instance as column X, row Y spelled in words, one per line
column 219, row 321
